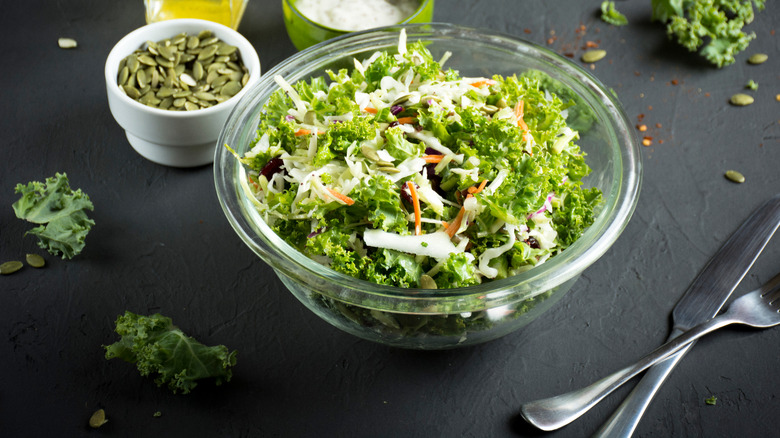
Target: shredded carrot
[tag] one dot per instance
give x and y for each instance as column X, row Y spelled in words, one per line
column 341, row 197
column 453, row 228
column 371, row 110
column 474, row 190
column 303, row 131
column 406, row 120
column 445, row 224
column 483, row 82
column 519, row 113
column 416, row 203
column 432, row 158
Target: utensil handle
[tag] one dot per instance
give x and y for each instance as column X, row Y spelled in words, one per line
column 625, row 419
column 555, row 412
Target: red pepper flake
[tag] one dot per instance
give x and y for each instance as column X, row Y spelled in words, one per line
column 527, row 30
column 569, row 55
column 591, row 45
column 674, row 82
column 640, row 117
column 660, row 141
column 650, row 107
column 551, row 40
column 707, row 94
column 637, row 73
column 657, row 125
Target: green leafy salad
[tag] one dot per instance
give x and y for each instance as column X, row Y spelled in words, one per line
column 403, row 173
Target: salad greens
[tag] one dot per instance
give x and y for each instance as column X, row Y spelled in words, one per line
column 157, row 347
column 714, row 26
column 399, row 169
column 611, row 15
column 60, row 211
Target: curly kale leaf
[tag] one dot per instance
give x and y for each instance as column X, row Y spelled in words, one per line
column 159, row 348
column 611, row 15
column 712, row 26
column 60, row 213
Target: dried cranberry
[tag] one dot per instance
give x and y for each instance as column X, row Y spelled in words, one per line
column 532, row 242
column 274, row 165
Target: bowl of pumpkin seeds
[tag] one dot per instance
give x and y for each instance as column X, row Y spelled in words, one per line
column 172, row 84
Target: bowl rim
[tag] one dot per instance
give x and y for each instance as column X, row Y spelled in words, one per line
column 137, row 39
column 291, row 3
column 619, row 203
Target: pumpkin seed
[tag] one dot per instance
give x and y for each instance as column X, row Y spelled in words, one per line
column 593, row 55
column 230, row 89
column 123, row 75
column 734, row 176
column 388, row 169
column 67, row 43
column 758, row 58
column 209, row 41
column 10, row 267
column 427, row 282
column 193, row 42
column 35, row 260
column 146, row 59
column 98, row 419
column 369, row 152
column 226, row 49
column 203, row 95
column 741, row 99
column 198, row 69
column 132, row 63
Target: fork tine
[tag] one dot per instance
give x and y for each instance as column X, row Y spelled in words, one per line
column 771, row 290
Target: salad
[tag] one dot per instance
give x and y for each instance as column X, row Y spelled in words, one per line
column 401, row 172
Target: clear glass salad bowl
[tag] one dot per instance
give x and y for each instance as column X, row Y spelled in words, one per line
column 443, row 318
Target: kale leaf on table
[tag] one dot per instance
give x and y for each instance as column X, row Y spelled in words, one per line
column 611, row 15
column 713, row 27
column 160, row 349
column 60, row 213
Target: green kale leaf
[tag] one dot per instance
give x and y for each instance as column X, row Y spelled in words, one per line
column 159, row 348
column 712, row 27
column 60, row 211
column 611, row 15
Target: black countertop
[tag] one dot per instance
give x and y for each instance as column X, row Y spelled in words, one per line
column 162, row 244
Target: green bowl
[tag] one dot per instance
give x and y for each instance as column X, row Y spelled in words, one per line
column 304, row 32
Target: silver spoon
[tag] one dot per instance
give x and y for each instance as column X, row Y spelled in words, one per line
column 759, row 308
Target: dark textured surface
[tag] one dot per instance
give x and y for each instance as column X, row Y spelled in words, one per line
column 162, row 244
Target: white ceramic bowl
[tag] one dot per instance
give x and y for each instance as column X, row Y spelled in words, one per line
column 174, row 138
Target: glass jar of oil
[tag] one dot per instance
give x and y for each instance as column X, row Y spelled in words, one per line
column 227, row 12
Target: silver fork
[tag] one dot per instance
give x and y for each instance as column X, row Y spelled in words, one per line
column 759, row 308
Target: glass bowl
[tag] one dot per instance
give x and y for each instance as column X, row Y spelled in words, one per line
column 444, row 318
column 304, row 32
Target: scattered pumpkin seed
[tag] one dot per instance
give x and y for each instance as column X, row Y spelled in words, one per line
column 758, row 58
column 183, row 72
column 734, row 176
column 67, row 43
column 10, row 267
column 593, row 55
column 35, row 260
column 741, row 99
column 98, row 419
